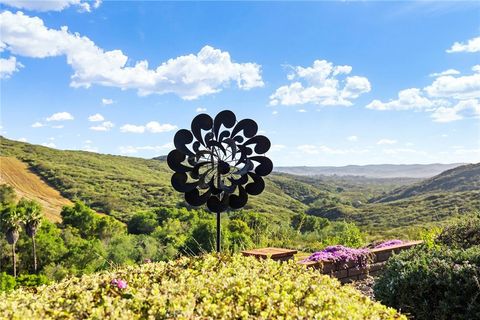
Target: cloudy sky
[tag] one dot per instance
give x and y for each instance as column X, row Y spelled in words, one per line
column 330, row 83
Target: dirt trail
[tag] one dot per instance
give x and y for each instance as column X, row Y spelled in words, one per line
column 29, row 185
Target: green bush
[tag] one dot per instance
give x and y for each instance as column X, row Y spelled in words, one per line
column 213, row 287
column 31, row 280
column 435, row 283
column 7, row 282
column 142, row 223
column 464, row 234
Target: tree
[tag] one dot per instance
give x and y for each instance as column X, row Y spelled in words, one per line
column 12, row 220
column 32, row 213
column 81, row 217
column 142, row 223
column 108, row 227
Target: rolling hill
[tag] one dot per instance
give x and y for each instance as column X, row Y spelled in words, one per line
column 373, row 171
column 121, row 186
column 462, row 178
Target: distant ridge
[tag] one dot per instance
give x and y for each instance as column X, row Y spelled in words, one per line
column 459, row 179
column 373, row 170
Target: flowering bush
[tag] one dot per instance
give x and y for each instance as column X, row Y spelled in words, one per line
column 436, row 283
column 208, row 287
column 341, row 254
column 388, row 243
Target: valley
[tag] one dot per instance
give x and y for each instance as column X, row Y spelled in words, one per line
column 120, row 186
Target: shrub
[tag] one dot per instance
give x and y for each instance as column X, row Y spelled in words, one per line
column 31, row 280
column 216, row 287
column 464, row 234
column 7, row 282
column 436, row 283
column 142, row 223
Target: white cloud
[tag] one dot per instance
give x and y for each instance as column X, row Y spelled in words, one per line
column 8, row 67
column 464, row 108
column 37, row 125
column 157, row 149
column 60, row 116
column 90, row 148
column 449, row 97
column 301, row 110
column 352, row 138
column 96, row 117
column 152, row 126
column 462, row 87
column 156, row 127
column 277, row 147
column 274, row 112
column 189, row 76
column 449, row 72
column 407, row 99
column 49, row 144
column 131, row 128
column 106, row 101
column 104, row 126
column 51, row 5
column 472, row 45
column 87, row 141
column 199, row 109
column 321, row 84
column 22, row 139
column 386, row 141
column 58, row 126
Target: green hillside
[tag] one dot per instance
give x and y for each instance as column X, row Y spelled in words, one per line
column 462, row 178
column 121, row 186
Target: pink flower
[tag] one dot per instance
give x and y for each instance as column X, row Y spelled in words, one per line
column 122, row 284
column 119, row 283
column 147, row 260
column 388, row 243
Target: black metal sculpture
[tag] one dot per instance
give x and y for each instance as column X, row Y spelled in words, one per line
column 219, row 162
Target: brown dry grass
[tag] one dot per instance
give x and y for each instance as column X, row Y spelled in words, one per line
column 28, row 185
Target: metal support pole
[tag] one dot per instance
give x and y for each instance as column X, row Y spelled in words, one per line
column 218, row 232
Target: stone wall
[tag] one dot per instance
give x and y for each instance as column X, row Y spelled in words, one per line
column 351, row 272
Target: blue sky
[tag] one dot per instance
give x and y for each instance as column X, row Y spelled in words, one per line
column 330, row 83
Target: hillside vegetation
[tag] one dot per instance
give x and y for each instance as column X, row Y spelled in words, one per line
column 122, row 186
column 28, row 185
column 213, row 287
column 459, row 179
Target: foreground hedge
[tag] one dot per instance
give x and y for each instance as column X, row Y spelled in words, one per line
column 205, row 287
column 433, row 283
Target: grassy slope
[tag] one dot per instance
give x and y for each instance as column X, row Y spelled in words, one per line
column 30, row 186
column 122, row 185
column 462, row 178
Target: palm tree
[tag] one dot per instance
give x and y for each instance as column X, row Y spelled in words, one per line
column 32, row 214
column 12, row 220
